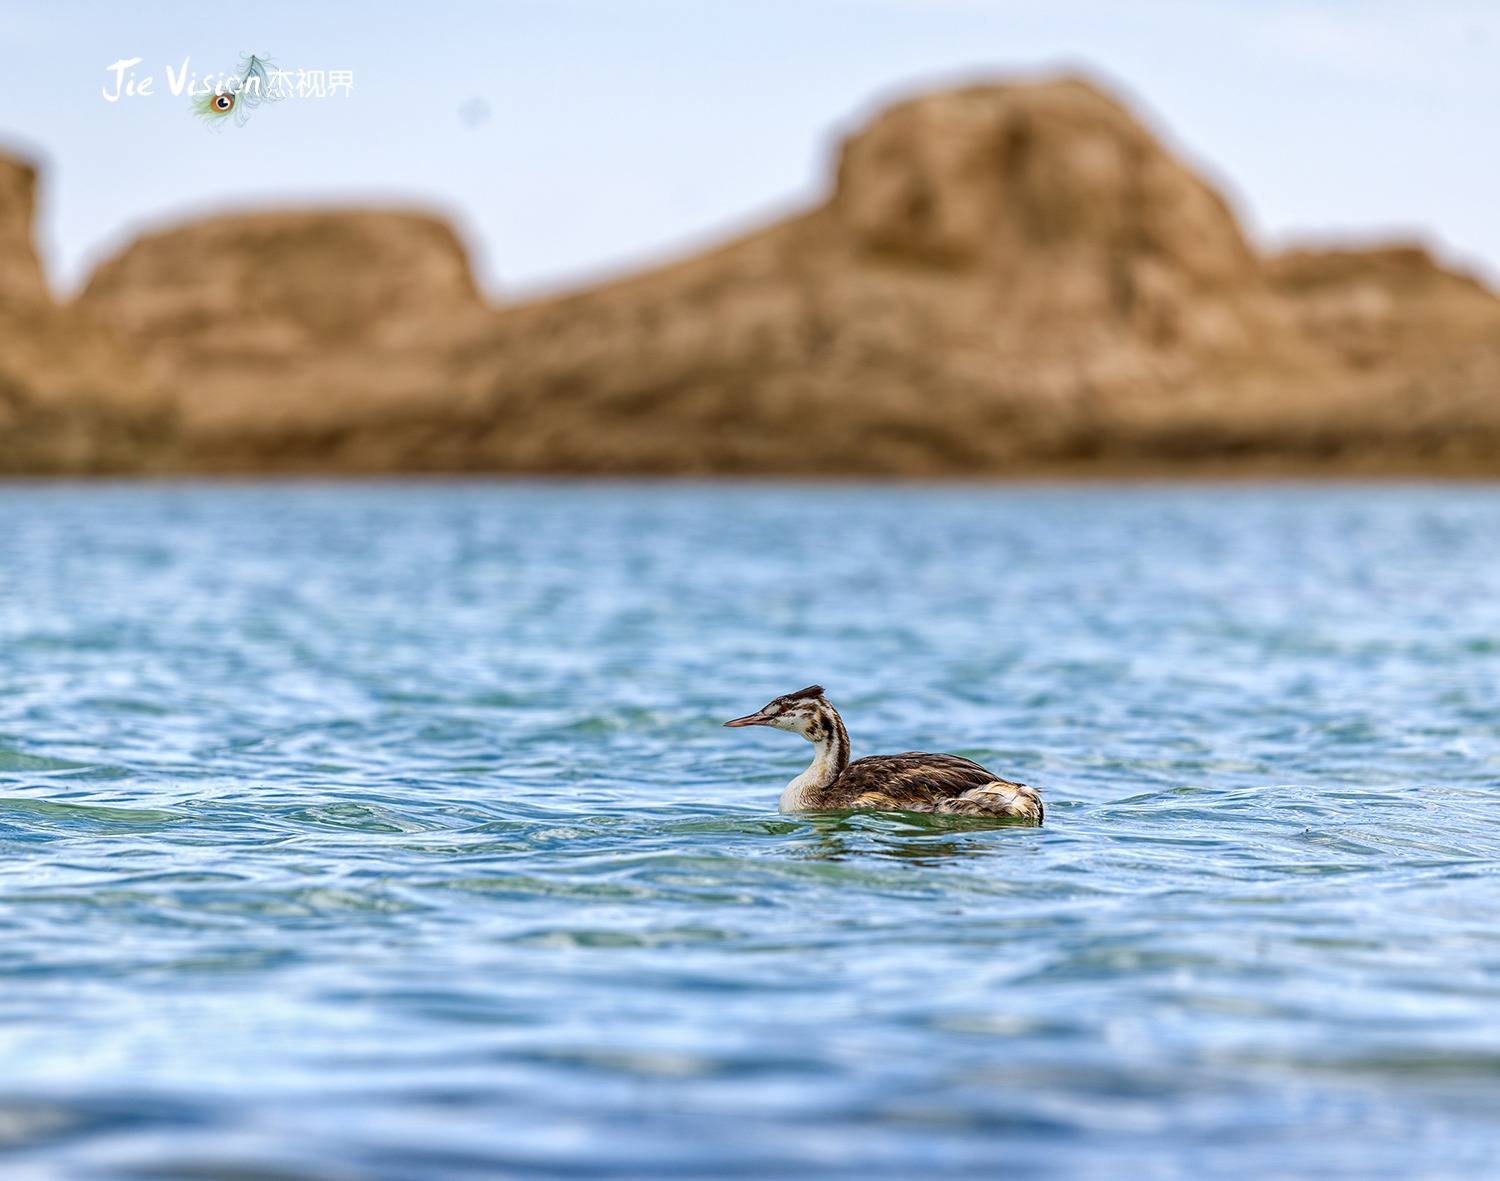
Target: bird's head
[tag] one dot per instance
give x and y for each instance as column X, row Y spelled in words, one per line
column 802, row 712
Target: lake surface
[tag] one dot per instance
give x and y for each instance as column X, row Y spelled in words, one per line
column 381, row 831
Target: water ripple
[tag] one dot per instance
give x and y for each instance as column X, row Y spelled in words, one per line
column 388, row 832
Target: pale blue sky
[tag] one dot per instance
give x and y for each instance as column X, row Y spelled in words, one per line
column 625, row 130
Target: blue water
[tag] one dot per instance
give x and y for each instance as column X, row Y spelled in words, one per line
column 389, row 832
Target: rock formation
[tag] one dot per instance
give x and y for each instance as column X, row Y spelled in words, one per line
column 1004, row 279
column 285, row 336
column 71, row 397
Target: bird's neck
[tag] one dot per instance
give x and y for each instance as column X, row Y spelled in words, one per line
column 830, row 756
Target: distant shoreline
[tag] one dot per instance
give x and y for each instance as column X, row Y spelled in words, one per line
column 1124, row 477
column 1006, row 282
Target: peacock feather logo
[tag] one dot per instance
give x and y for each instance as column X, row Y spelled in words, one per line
column 237, row 95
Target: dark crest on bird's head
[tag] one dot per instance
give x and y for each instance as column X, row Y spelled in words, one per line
column 791, row 711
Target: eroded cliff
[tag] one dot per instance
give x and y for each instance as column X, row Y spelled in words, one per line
column 1004, row 279
column 72, row 398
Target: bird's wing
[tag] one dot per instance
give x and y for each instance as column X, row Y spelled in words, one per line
column 913, row 781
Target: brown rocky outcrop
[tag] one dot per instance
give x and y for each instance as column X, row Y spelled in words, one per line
column 71, row 398
column 283, row 336
column 1005, row 278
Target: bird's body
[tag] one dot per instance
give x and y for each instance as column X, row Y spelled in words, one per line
column 910, row 782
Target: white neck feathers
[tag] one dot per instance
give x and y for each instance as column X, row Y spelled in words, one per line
column 830, row 756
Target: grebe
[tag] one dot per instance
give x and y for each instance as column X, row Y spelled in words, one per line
column 910, row 782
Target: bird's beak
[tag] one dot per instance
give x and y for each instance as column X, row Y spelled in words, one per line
column 756, row 719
